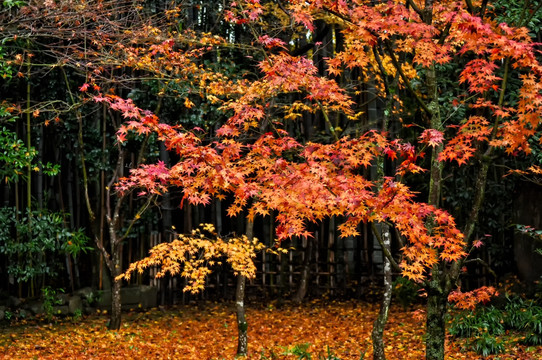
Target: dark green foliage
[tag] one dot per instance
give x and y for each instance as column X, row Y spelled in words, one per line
column 474, row 323
column 50, row 300
column 484, row 325
column 32, row 242
column 481, row 327
column 519, row 13
column 405, row 291
column 15, row 157
column 329, row 356
column 525, row 316
column 6, row 70
column 299, row 350
column 486, row 344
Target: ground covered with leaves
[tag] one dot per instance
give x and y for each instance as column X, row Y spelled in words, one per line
column 331, row 330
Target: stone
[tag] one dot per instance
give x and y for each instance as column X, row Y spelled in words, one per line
column 75, row 305
column 103, row 302
column 62, row 298
column 22, row 313
column 89, row 295
column 14, row 301
column 35, row 307
column 149, row 296
column 61, row 310
column 130, row 295
column 143, row 296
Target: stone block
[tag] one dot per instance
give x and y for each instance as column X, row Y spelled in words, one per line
column 148, row 296
column 75, row 305
column 143, row 296
column 61, row 310
column 35, row 307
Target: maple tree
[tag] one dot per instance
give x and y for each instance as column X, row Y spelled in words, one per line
column 194, row 255
column 459, row 88
column 80, row 41
column 306, row 182
column 86, row 43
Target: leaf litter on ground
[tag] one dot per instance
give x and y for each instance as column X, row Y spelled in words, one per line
column 208, row 332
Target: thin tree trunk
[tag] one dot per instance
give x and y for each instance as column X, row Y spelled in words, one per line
column 380, row 322
column 6, row 196
column 436, row 324
column 70, row 271
column 382, row 230
column 116, row 305
column 242, row 325
column 114, row 265
column 28, row 146
column 167, row 213
column 39, row 177
column 305, row 274
column 102, row 199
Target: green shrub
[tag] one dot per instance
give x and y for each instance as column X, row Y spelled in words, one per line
column 524, row 316
column 516, row 316
column 50, row 300
column 483, row 325
column 405, row 291
column 486, row 344
column 299, row 350
column 463, row 325
column 485, row 320
column 328, row 356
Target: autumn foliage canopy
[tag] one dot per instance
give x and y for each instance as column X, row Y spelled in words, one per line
column 256, row 162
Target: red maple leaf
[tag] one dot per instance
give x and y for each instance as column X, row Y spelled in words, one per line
column 431, row 137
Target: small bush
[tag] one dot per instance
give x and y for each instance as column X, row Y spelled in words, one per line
column 50, row 300
column 483, row 325
column 485, row 320
column 299, row 350
column 328, row 356
column 486, row 344
column 405, row 291
column 516, row 316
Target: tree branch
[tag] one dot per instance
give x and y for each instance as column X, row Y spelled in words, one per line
column 137, row 216
column 385, row 250
column 415, row 7
column 483, row 263
column 105, row 254
column 328, row 122
column 470, row 7
column 405, row 79
column 80, row 142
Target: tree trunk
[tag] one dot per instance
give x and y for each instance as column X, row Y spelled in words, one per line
column 437, row 295
column 436, row 325
column 116, row 306
column 380, row 322
column 242, row 325
column 39, row 177
column 305, row 274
